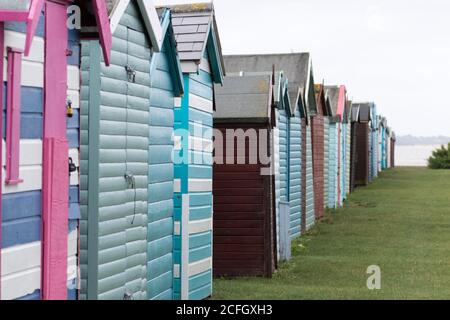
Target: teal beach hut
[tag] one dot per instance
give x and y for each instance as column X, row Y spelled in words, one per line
column 126, row 167
column 202, row 66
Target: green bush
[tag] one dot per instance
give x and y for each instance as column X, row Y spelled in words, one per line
column 440, row 158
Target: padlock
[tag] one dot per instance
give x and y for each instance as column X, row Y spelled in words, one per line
column 72, row 166
column 69, row 109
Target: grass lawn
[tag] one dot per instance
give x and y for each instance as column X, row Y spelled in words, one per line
column 401, row 223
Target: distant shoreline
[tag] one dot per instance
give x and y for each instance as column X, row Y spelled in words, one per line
column 414, row 155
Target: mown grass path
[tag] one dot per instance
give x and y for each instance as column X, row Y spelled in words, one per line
column 401, row 223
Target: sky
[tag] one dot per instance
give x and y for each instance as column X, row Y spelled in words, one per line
column 393, row 52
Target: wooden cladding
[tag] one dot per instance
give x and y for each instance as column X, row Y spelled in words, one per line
column 13, row 104
column 243, row 217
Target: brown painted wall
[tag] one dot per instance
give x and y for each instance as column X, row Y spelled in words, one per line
column 362, row 154
column 392, row 153
column 243, row 218
column 317, row 126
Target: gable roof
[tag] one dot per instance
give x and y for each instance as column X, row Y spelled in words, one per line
column 152, row 23
column 244, row 99
column 196, row 32
column 337, row 96
column 355, row 113
column 280, row 87
column 170, row 47
column 297, row 68
column 364, row 111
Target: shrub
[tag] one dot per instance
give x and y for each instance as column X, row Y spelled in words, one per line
column 440, row 158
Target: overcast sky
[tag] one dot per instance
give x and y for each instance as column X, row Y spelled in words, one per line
column 393, row 52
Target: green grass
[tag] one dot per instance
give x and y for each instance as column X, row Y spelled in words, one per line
column 401, row 222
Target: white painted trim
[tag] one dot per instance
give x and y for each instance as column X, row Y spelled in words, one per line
column 21, row 267
column 150, row 16
column 200, row 103
column 200, row 185
column 177, row 143
column 16, row 39
column 22, row 257
column 21, row 284
column 177, row 228
column 151, row 20
column 200, row 226
column 73, row 78
column 117, row 13
column 189, row 67
column 185, row 248
column 176, row 271
column 200, row 266
column 32, row 73
column 177, row 102
column 32, row 180
column 204, row 65
column 200, row 144
column 30, row 152
column 177, row 185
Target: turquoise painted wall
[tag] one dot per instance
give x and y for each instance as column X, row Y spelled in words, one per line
column 115, row 142
column 310, row 212
column 332, row 166
column 160, row 178
column 195, row 201
column 295, row 176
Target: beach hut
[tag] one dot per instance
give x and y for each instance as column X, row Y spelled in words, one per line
column 347, row 137
column 199, row 49
column 318, row 147
column 320, row 143
column 297, row 68
column 362, row 135
column 354, row 119
column 382, row 142
column 337, row 96
column 126, row 149
column 373, row 173
column 40, row 202
column 392, row 149
column 286, row 154
column 388, row 147
column 244, row 181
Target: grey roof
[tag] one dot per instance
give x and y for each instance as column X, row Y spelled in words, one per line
column 333, row 94
column 364, row 111
column 355, row 113
column 245, row 99
column 295, row 67
column 279, row 81
column 347, row 111
column 191, row 26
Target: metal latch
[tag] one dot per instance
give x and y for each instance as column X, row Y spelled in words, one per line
column 131, row 73
column 72, row 166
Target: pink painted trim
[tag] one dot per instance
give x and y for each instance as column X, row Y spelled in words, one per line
column 2, row 45
column 13, row 106
column 55, row 219
column 55, row 181
column 32, row 22
column 104, row 29
column 341, row 102
column 13, row 15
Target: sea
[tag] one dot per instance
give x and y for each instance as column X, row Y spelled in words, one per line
column 413, row 155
